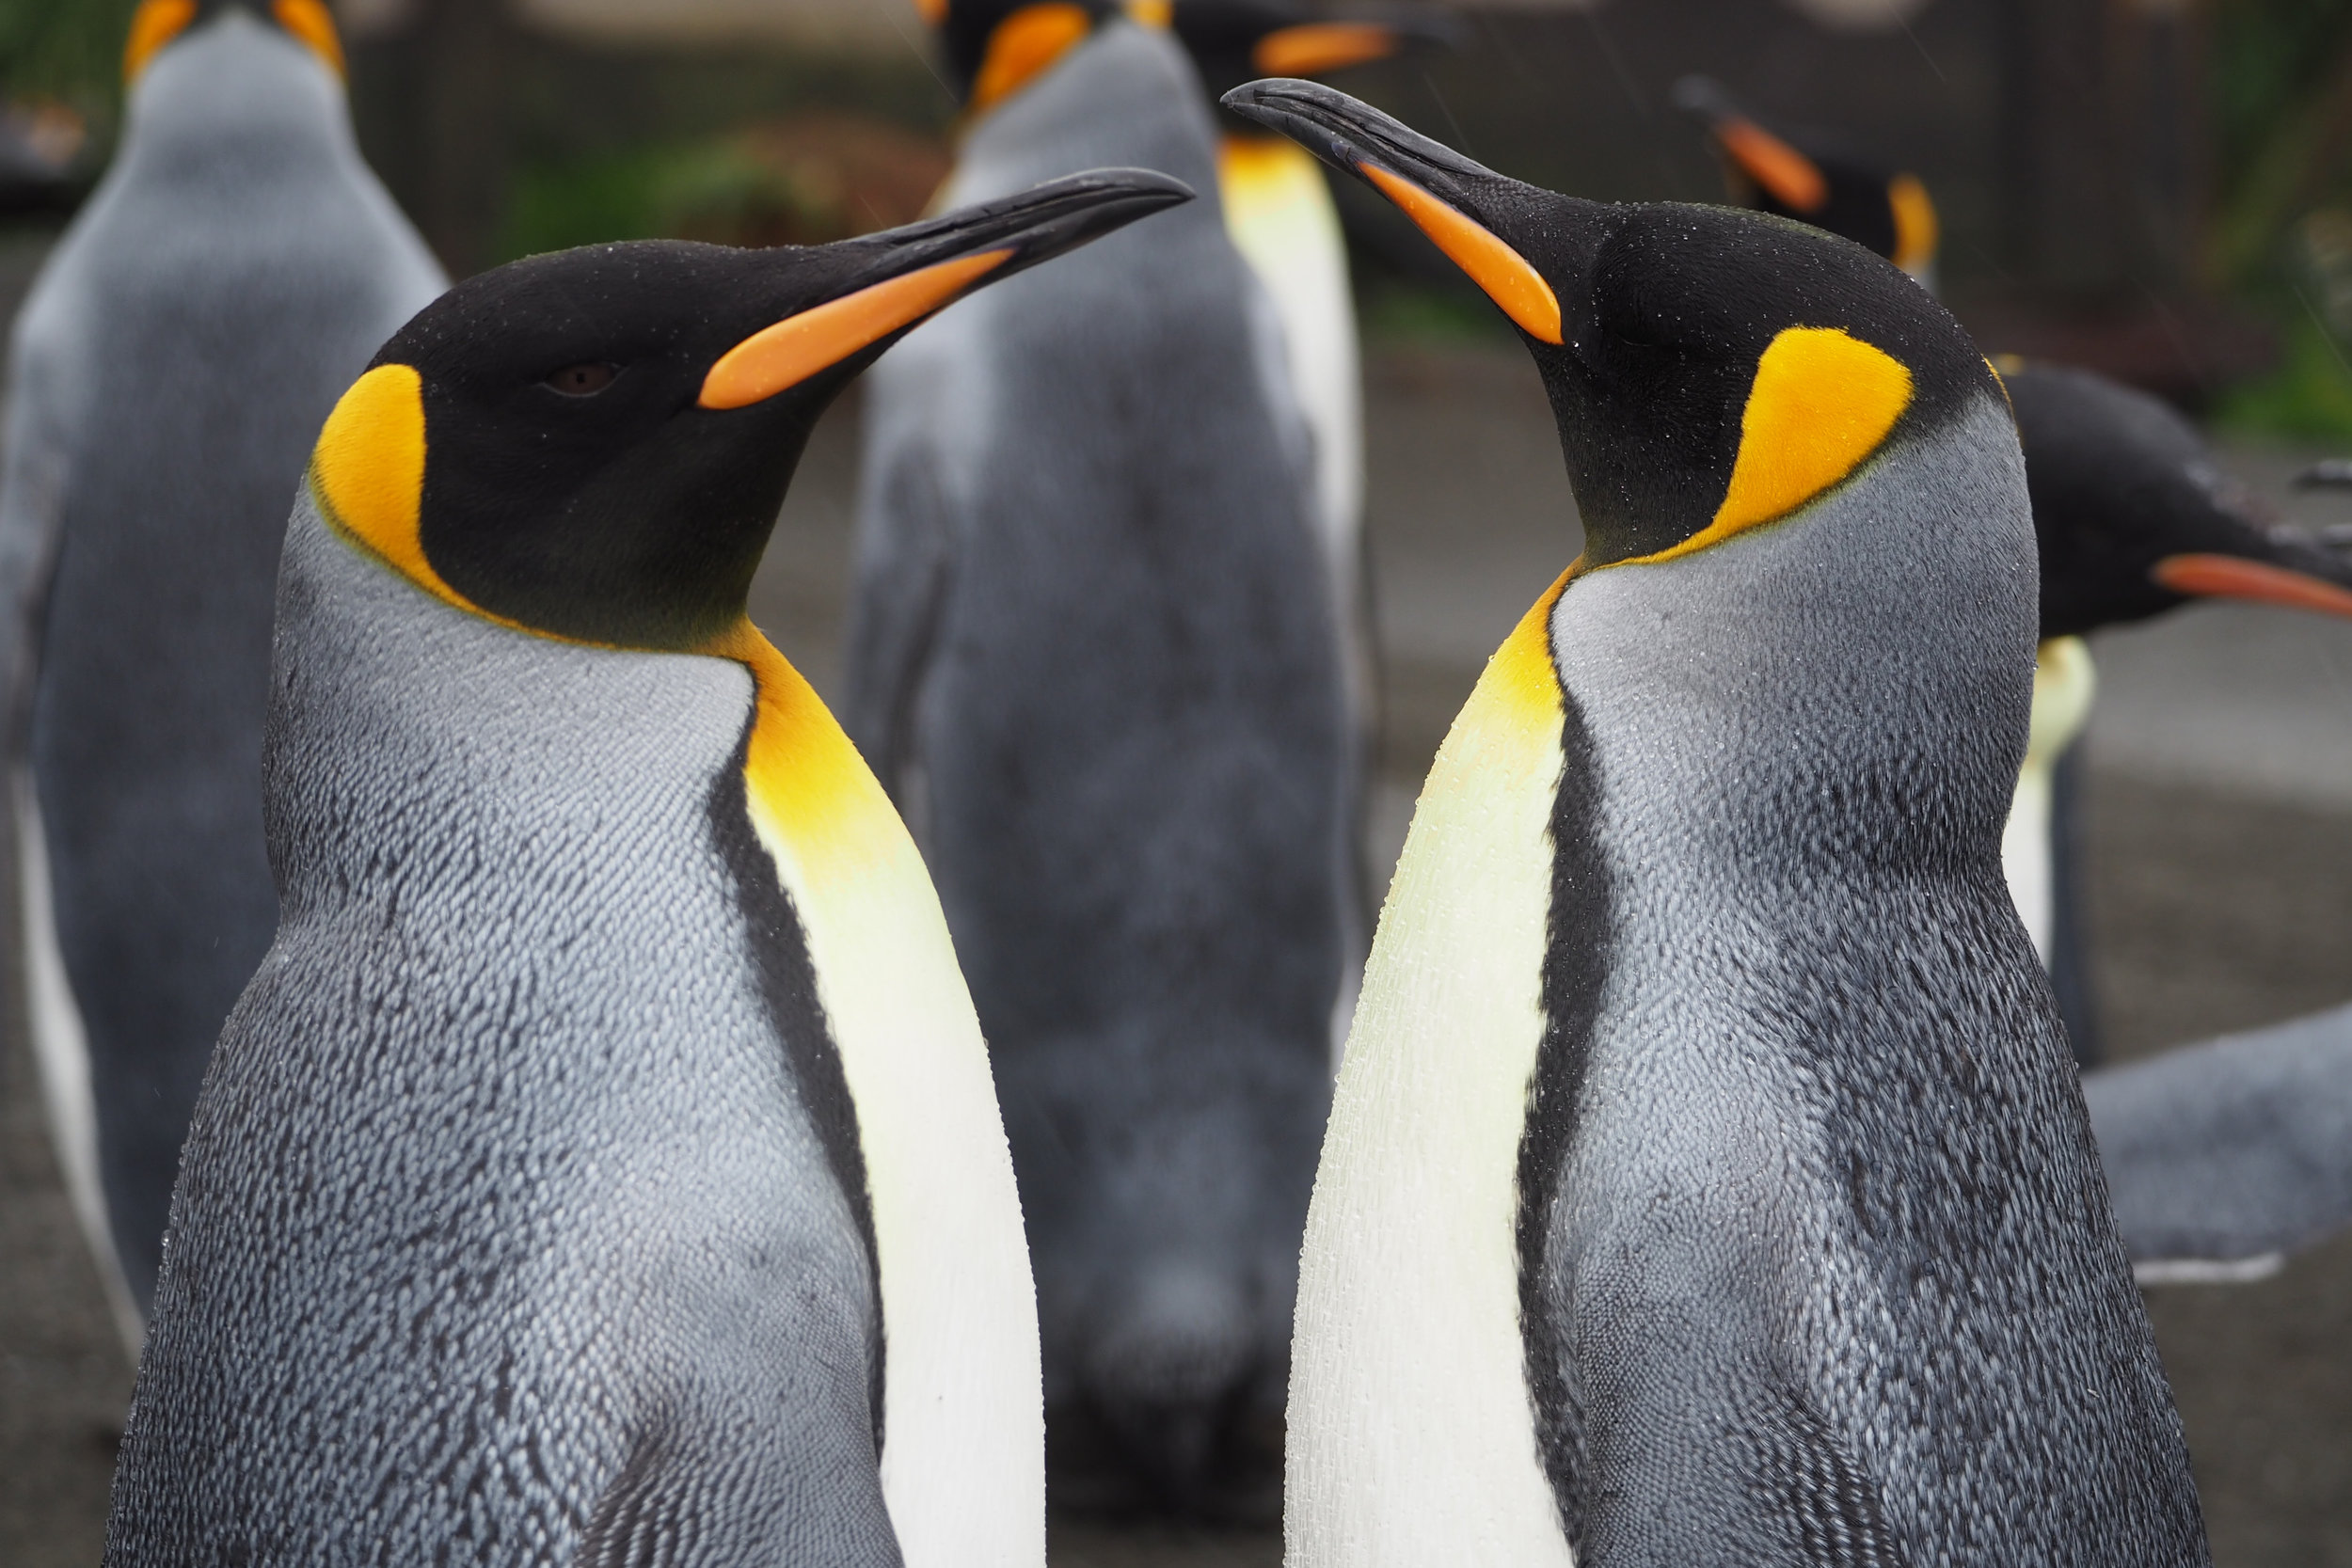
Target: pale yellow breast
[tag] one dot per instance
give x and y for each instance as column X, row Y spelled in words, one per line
column 1411, row 1431
column 963, row 1456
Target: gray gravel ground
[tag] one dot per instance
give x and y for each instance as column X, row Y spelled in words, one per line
column 2220, row 812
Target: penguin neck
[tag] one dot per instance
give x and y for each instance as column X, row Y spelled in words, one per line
column 1127, row 96
column 238, row 106
column 1842, row 694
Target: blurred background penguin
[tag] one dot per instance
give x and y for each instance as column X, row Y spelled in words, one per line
column 229, row 277
column 1094, row 654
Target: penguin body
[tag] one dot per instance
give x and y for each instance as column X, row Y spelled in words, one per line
column 603, row 1165
column 1092, row 651
column 1706, row 1179
column 171, row 369
column 646, row 1306
column 2133, row 515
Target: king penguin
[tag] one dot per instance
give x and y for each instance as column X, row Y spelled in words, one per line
column 1092, row 655
column 171, row 369
column 1280, row 213
column 603, row 1165
column 2133, row 517
column 1708, row 1180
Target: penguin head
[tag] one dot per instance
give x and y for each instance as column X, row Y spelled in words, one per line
column 2133, row 517
column 1883, row 209
column 1711, row 370
column 1232, row 41
column 994, row 48
column 592, row 444
column 157, row 24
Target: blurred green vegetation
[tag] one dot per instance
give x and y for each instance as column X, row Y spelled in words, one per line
column 639, row 193
column 2279, row 235
column 69, row 50
column 2307, row 397
column 1404, row 311
column 801, row 179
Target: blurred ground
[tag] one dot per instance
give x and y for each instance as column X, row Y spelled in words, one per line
column 2220, row 812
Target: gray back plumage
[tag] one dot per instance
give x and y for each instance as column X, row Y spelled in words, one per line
column 230, row 277
column 1819, row 1267
column 1092, row 657
column 506, row 1227
column 2233, row 1150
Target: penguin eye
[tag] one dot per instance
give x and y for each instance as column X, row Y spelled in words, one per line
column 581, row 381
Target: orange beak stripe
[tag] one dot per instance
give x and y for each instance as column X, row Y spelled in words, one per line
column 1774, row 165
column 2229, row 577
column 1510, row 281
column 1314, row 47
column 797, row 347
column 155, row 23
column 310, row 21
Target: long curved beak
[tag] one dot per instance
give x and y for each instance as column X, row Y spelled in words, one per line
column 1793, row 178
column 2279, row 567
column 1465, row 208
column 898, row 278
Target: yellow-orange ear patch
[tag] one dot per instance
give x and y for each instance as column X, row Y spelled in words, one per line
column 933, row 12
column 1158, row 15
column 799, row 346
column 1508, row 277
column 1821, row 403
column 1916, row 234
column 1314, row 47
column 155, row 23
column 368, row 474
column 1023, row 46
column 310, row 21
column 1780, row 168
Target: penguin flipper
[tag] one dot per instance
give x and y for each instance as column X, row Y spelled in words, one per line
column 905, row 568
column 33, row 475
column 687, row 1496
column 2224, row 1153
column 1806, row 1482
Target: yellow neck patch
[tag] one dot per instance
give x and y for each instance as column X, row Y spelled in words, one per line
column 1821, row 403
column 1521, row 678
column 310, row 21
column 155, row 23
column 1915, row 231
column 807, row 787
column 1509, row 279
column 1023, row 46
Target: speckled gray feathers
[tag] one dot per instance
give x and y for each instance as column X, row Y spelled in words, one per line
column 505, row 1233
column 1092, row 657
column 170, row 371
column 1824, row 1273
